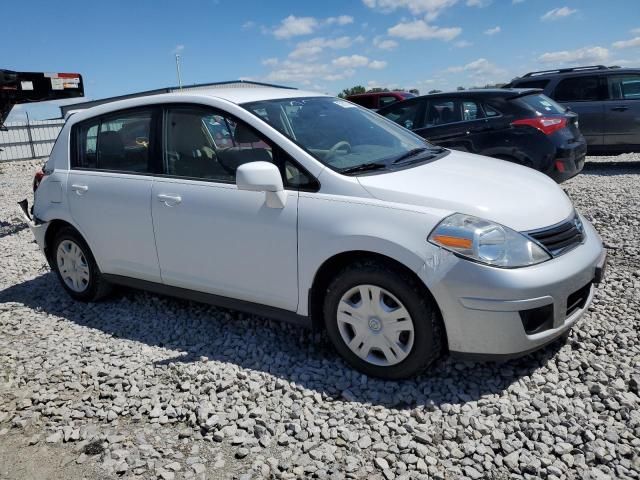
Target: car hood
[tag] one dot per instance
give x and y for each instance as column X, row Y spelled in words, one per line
column 512, row 195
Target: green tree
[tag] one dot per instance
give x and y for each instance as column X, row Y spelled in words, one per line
column 460, row 89
column 352, row 91
column 435, row 91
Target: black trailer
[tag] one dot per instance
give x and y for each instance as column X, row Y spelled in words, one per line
column 28, row 87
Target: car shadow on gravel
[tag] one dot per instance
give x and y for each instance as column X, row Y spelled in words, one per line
column 284, row 351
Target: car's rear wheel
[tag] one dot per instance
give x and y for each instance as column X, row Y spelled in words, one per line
column 381, row 321
column 76, row 268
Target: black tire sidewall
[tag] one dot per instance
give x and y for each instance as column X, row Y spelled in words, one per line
column 424, row 347
column 90, row 293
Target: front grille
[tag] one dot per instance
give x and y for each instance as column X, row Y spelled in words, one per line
column 560, row 238
column 578, row 299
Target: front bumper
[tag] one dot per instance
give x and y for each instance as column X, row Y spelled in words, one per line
column 481, row 305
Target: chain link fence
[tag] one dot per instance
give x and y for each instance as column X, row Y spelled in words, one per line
column 28, row 140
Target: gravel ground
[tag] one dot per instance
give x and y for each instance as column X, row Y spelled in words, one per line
column 142, row 386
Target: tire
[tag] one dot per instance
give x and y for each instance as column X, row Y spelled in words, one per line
column 410, row 352
column 90, row 285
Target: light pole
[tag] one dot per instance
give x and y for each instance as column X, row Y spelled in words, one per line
column 178, row 70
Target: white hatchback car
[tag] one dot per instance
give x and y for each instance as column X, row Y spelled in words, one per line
column 308, row 208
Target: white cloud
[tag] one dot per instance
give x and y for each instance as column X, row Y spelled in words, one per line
column 462, row 44
column 514, row 2
column 270, row 62
column 481, row 66
column 635, row 31
column 384, row 44
column 421, row 30
column 478, row 3
column 430, row 8
column 311, row 48
column 558, row 13
column 493, row 31
column 581, row 55
column 351, row 61
column 177, row 50
column 248, row 25
column 634, row 42
column 294, row 26
column 340, row 20
column 377, row 64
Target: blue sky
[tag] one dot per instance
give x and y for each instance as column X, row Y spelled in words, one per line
column 126, row 46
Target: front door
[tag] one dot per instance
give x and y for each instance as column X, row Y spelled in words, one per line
column 210, row 236
column 109, row 191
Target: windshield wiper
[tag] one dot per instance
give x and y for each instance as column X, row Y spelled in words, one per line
column 364, row 167
column 417, row 151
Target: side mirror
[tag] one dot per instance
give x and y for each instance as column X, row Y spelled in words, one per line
column 262, row 177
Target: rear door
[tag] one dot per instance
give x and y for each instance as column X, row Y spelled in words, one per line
column 585, row 96
column 454, row 123
column 622, row 110
column 109, row 191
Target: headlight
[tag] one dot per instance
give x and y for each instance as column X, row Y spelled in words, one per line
column 486, row 242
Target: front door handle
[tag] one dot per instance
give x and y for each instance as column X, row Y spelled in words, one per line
column 169, row 200
column 621, row 108
column 79, row 189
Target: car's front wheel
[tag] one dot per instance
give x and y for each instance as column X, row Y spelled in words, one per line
column 76, row 268
column 381, row 321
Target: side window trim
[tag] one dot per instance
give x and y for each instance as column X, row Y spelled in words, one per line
column 280, row 155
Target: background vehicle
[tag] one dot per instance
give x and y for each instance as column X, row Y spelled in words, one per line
column 607, row 99
column 393, row 245
column 376, row 100
column 521, row 126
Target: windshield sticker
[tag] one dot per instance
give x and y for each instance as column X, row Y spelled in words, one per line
column 26, row 85
column 344, row 104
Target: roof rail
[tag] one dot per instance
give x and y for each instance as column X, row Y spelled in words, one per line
column 566, row 70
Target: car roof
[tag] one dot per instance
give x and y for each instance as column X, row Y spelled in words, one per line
column 481, row 93
column 573, row 72
column 237, row 95
column 377, row 94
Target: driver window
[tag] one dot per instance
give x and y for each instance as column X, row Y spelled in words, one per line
column 205, row 145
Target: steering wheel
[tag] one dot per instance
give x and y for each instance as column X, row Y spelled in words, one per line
column 341, row 145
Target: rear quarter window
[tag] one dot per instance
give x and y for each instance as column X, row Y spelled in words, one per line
column 578, row 89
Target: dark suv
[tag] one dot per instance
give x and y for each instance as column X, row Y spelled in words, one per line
column 607, row 99
column 518, row 125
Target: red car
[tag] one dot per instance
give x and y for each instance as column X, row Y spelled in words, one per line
column 376, row 100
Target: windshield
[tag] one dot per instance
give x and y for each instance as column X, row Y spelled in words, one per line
column 342, row 135
column 541, row 104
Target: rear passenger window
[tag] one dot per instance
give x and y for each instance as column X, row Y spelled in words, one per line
column 471, row 110
column 624, row 87
column 578, row 89
column 119, row 143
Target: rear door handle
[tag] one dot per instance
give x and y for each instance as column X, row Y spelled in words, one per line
column 169, row 199
column 79, row 189
column 621, row 108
